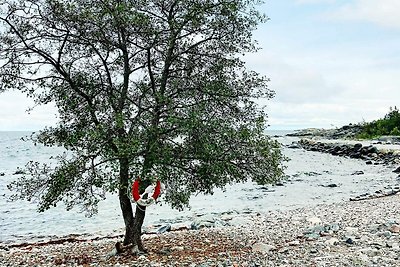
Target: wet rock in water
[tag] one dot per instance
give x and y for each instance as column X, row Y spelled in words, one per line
column 2, row 174
column 312, row 173
column 358, row 173
column 397, row 170
column 331, row 185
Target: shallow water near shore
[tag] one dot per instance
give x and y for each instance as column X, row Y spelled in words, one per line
column 312, row 178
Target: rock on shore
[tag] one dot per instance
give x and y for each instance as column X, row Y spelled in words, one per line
column 350, row 131
column 370, row 153
column 345, row 132
column 364, row 233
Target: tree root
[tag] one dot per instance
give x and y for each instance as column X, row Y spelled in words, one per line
column 120, row 248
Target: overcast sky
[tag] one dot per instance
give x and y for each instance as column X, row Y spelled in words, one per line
column 331, row 63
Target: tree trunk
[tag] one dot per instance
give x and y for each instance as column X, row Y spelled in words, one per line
column 133, row 225
column 137, row 227
column 126, row 208
column 125, row 202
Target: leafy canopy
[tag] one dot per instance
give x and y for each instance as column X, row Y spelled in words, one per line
column 156, row 88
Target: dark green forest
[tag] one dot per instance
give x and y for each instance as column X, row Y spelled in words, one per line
column 388, row 125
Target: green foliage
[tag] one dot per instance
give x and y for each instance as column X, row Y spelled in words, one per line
column 155, row 88
column 389, row 125
column 395, row 131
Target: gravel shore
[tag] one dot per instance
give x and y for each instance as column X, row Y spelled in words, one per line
column 362, row 233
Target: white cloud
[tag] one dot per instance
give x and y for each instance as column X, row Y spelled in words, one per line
column 293, row 82
column 332, row 84
column 383, row 12
column 14, row 115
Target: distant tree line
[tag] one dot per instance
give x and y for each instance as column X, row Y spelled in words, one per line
column 388, row 125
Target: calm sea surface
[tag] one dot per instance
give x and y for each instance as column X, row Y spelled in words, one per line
column 308, row 173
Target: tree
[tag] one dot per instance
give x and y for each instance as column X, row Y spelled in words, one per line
column 152, row 88
column 388, row 125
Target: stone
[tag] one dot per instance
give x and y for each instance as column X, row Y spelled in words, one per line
column 295, row 145
column 332, row 241
column 312, row 236
column 203, row 222
column 386, row 234
column 395, row 228
column 349, row 241
column 294, row 243
column 18, row 171
column 357, row 173
column 142, row 258
column 333, row 227
column 371, row 252
column 397, row 170
column 357, row 146
column 262, row 247
column 165, row 251
column 393, row 245
column 331, row 185
column 314, row 220
column 317, row 230
column 178, row 248
column 378, row 244
column 180, row 226
column 163, row 229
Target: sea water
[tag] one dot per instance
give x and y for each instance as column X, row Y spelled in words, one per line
column 308, row 174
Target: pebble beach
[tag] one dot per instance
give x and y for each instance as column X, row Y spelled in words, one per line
column 350, row 233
